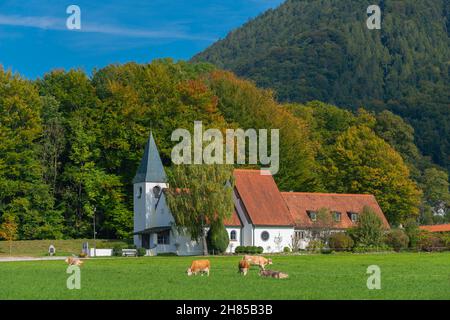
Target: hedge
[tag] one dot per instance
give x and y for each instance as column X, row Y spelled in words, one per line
column 249, row 249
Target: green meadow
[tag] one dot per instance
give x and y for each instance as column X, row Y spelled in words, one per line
column 333, row 276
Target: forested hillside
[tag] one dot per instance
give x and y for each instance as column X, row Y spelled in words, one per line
column 70, row 144
column 322, row 50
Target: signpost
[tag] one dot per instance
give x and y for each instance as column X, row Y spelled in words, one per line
column 51, row 250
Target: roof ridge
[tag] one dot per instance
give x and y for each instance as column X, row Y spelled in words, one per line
column 328, row 194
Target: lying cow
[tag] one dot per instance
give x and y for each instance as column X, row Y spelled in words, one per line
column 202, row 266
column 74, row 261
column 258, row 261
column 273, row 274
column 244, row 265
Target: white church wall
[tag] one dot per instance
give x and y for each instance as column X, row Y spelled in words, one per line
column 183, row 245
column 233, row 243
column 247, row 227
column 162, row 216
column 139, row 204
column 279, row 237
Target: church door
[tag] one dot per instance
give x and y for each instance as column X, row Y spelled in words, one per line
column 146, row 241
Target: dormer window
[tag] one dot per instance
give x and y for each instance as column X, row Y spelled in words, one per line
column 337, row 216
column 312, row 215
column 353, row 216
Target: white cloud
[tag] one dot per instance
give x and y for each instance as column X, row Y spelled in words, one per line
column 50, row 23
column 33, row 22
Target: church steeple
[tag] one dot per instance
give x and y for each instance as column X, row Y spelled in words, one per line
column 151, row 168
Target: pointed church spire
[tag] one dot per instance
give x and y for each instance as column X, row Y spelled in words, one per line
column 151, row 168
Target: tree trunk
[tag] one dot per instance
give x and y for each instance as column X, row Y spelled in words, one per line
column 205, row 245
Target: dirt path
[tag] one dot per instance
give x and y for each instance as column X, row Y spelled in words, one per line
column 14, row 259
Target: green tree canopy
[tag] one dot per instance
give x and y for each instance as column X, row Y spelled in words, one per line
column 361, row 162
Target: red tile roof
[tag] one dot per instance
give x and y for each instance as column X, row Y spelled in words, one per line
column 300, row 203
column 262, row 199
column 234, row 221
column 437, row 228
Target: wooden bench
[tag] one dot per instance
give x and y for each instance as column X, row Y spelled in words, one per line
column 129, row 252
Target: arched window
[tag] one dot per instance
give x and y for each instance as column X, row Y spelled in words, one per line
column 140, row 193
column 233, row 235
column 265, row 235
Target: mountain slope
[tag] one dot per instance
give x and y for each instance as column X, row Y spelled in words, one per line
column 322, row 50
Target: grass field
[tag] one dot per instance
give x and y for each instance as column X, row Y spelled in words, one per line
column 340, row 276
column 39, row 248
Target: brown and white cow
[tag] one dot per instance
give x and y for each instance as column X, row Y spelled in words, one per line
column 244, row 265
column 74, row 261
column 199, row 266
column 258, row 261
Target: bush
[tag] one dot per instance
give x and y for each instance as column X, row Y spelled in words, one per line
column 326, row 251
column 286, row 249
column 429, row 242
column 397, row 239
column 249, row 250
column 217, row 238
column 315, row 245
column 412, row 231
column 117, row 250
column 340, row 242
column 370, row 229
column 141, row 252
column 82, row 255
column 239, row 249
column 446, row 240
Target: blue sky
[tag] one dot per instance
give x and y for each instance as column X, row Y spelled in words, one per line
column 34, row 38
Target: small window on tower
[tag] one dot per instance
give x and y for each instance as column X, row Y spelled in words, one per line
column 140, row 193
column 157, row 191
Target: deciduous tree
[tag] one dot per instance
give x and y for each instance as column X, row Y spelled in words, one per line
column 201, row 195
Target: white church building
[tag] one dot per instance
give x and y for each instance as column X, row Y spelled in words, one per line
column 263, row 215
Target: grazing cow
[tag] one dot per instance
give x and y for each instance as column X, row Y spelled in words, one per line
column 258, row 261
column 202, row 266
column 74, row 261
column 244, row 265
column 273, row 274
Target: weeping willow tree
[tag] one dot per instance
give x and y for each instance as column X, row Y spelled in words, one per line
column 200, row 195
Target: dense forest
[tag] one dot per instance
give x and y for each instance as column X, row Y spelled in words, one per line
column 70, row 144
column 322, row 50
